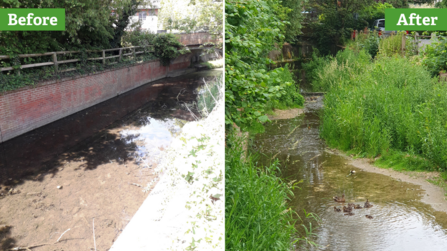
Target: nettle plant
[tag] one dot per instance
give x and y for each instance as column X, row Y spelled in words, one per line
column 251, row 30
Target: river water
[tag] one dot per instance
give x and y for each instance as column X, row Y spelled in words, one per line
column 400, row 220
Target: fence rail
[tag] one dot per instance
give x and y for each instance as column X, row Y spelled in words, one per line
column 56, row 63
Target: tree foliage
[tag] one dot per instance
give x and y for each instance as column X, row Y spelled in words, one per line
column 88, row 24
column 294, row 18
column 192, row 15
column 337, row 19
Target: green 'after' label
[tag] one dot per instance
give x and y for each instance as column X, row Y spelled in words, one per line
column 32, row 19
column 416, row 19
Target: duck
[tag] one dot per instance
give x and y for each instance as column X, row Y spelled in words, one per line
column 358, row 206
column 337, row 209
column 367, row 204
column 351, row 205
column 337, row 199
column 369, row 216
column 347, row 209
column 350, row 214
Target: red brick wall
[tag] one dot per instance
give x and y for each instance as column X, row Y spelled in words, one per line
column 31, row 107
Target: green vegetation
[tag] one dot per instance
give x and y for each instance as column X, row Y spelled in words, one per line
column 214, row 64
column 336, row 20
column 256, row 197
column 389, row 107
column 10, row 81
column 165, row 47
column 435, row 56
column 90, row 25
column 192, row 15
column 256, row 213
column 251, row 31
column 207, row 100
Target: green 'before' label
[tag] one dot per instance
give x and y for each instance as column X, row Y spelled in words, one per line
column 32, row 19
column 416, row 19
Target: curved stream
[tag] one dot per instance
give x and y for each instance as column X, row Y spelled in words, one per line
column 400, row 220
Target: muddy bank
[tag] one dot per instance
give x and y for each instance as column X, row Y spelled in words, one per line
column 100, row 159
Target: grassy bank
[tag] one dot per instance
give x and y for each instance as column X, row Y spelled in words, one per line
column 256, row 214
column 389, row 108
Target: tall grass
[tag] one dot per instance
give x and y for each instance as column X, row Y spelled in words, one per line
column 384, row 107
column 209, row 95
column 256, row 216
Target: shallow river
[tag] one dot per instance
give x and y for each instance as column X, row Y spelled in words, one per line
column 400, row 220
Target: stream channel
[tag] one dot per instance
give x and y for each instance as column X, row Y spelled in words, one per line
column 86, row 172
column 401, row 221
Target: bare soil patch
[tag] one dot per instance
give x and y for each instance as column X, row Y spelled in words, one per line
column 38, row 212
column 285, row 114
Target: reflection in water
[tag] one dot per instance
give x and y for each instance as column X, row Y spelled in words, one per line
column 401, row 221
column 151, row 139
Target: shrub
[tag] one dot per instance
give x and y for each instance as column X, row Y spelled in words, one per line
column 166, row 48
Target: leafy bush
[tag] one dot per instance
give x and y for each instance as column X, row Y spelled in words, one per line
column 166, row 48
column 291, row 96
column 390, row 104
column 251, row 31
column 435, row 56
column 137, row 38
column 368, row 42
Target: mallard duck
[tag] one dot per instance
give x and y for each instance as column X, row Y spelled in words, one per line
column 350, row 214
column 369, row 216
column 367, row 205
column 337, row 209
column 337, row 199
column 347, row 209
column 358, row 206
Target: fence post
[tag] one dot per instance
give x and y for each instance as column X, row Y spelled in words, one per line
column 103, row 57
column 56, row 66
column 133, row 52
column 121, row 54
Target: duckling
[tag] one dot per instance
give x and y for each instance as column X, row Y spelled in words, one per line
column 357, row 207
column 351, row 205
column 369, row 216
column 367, row 205
column 337, row 199
column 337, row 209
column 350, row 214
column 347, row 209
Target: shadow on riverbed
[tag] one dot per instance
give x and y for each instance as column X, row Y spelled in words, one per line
column 400, row 220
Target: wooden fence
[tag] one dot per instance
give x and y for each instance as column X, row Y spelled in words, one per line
column 56, row 63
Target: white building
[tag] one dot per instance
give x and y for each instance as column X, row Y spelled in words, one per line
column 148, row 17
